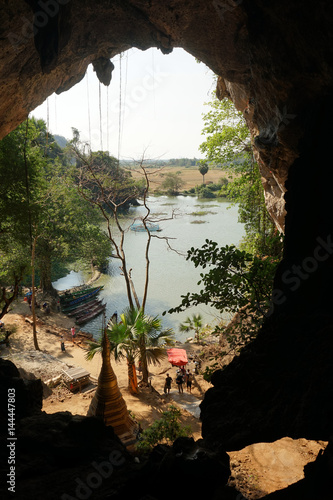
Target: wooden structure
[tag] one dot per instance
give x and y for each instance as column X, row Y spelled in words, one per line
column 108, row 402
column 76, row 378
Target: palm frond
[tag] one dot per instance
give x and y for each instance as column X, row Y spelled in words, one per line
column 94, row 348
column 155, row 355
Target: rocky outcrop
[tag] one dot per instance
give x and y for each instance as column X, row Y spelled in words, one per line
column 28, row 394
column 273, row 60
column 65, row 456
column 317, row 483
column 279, row 386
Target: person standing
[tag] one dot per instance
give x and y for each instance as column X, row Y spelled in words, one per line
column 73, row 333
column 62, row 344
column 189, row 378
column 167, row 385
column 179, row 382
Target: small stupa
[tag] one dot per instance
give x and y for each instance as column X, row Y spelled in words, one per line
column 108, row 402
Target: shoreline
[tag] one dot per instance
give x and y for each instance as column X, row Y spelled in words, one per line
column 146, row 406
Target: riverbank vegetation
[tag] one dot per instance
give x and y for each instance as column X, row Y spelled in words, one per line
column 236, row 280
column 137, row 337
column 44, row 220
column 56, row 200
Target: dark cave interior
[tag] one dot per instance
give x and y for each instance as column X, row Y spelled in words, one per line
column 273, row 60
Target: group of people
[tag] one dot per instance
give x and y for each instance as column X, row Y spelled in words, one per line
column 183, row 377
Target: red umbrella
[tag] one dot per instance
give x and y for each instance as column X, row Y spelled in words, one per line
column 177, row 357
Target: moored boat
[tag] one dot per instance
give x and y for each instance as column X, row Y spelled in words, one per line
column 83, row 297
column 84, row 307
column 91, row 315
column 89, row 310
column 83, row 303
column 68, row 297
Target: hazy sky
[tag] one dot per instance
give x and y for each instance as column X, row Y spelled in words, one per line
column 160, row 98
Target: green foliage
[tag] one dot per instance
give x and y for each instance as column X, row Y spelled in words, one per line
column 204, row 192
column 39, row 202
column 192, row 323
column 234, row 279
column 182, row 162
column 126, row 337
column 203, row 169
column 172, row 183
column 100, row 177
column 227, row 138
column 164, row 430
column 228, row 142
column 209, row 370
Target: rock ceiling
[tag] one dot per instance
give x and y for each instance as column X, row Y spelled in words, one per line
column 271, row 59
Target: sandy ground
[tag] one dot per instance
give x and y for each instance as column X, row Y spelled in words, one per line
column 256, row 470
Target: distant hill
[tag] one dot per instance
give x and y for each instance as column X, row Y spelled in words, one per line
column 60, row 140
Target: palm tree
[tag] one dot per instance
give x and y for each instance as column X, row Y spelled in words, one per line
column 194, row 323
column 151, row 341
column 203, row 169
column 136, row 336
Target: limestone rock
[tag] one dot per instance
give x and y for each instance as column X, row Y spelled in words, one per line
column 272, row 60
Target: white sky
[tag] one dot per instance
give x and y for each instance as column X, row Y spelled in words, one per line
column 162, row 101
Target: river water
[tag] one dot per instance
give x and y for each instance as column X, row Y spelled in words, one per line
column 170, row 274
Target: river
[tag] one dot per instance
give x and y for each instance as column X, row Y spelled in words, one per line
column 170, row 274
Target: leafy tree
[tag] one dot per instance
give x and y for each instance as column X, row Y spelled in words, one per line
column 235, row 282
column 39, row 203
column 194, row 323
column 14, row 265
column 172, row 183
column 111, row 193
column 228, row 142
column 164, row 430
column 137, row 336
column 68, row 228
column 204, row 192
column 203, row 169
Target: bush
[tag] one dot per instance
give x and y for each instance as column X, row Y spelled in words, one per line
column 205, row 192
column 164, row 430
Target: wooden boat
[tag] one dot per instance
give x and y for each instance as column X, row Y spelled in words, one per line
column 74, row 295
column 90, row 316
column 73, row 307
column 84, row 297
column 84, row 307
column 89, row 310
column 68, row 297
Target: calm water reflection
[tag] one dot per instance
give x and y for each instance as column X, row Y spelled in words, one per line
column 170, row 274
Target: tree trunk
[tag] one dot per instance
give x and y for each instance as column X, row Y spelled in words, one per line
column 45, row 274
column 33, row 299
column 132, row 378
column 144, row 364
